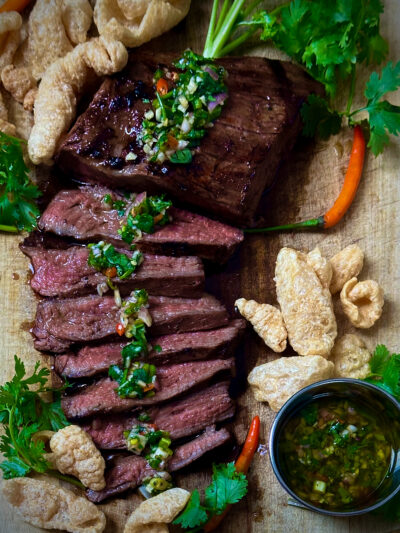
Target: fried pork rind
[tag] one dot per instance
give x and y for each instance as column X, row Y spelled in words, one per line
column 267, row 322
column 77, row 16
column 153, row 514
column 10, row 25
column 19, row 83
column 305, row 304
column 362, row 302
column 321, row 266
column 5, row 126
column 134, row 23
column 74, row 453
column 60, row 88
column 275, row 382
column 346, row 264
column 350, row 357
column 50, row 507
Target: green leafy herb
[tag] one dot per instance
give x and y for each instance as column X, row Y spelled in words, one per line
column 319, row 119
column 144, row 217
column 18, row 210
column 181, row 114
column 228, row 487
column 103, row 256
column 23, row 413
column 385, row 370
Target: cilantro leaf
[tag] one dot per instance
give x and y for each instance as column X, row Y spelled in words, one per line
column 17, row 192
column 228, row 487
column 319, row 119
column 379, row 359
column 385, row 371
column 194, row 513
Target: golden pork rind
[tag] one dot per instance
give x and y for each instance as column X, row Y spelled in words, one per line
column 5, row 125
column 10, row 36
column 362, row 302
column 267, row 322
column 346, row 264
column 350, row 357
column 275, row 382
column 153, row 514
column 134, row 23
column 61, row 87
column 77, row 17
column 322, row 267
column 305, row 304
column 75, row 453
column 50, row 507
column 20, row 83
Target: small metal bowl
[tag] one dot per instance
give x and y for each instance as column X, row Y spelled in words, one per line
column 377, row 401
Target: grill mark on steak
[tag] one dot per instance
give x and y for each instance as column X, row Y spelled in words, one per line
column 181, row 418
column 128, row 472
column 260, row 118
column 66, row 273
column 61, row 323
column 82, row 215
column 176, row 348
column 173, row 380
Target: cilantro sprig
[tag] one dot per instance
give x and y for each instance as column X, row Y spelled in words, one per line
column 385, row 370
column 18, row 210
column 22, row 414
column 227, row 487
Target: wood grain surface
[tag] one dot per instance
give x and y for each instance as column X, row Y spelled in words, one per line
column 307, row 184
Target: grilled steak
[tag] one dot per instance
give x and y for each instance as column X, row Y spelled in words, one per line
column 173, row 380
column 176, row 348
column 127, row 472
column 237, row 158
column 62, row 323
column 66, row 273
column 181, row 418
column 82, row 215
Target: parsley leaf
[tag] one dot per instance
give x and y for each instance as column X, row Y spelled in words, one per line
column 227, row 487
column 319, row 119
column 385, row 371
column 23, row 413
column 18, row 210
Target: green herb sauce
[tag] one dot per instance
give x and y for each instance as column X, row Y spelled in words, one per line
column 103, row 257
column 335, row 454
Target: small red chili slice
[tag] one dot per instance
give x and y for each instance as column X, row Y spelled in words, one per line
column 120, row 328
column 111, row 272
column 162, row 86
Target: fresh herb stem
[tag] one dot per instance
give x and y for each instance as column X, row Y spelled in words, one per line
column 222, row 15
column 210, row 33
column 238, row 41
column 213, row 49
column 68, row 479
column 352, row 90
column 8, row 229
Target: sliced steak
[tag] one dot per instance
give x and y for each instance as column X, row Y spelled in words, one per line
column 65, row 273
column 181, row 418
column 237, row 158
column 82, row 215
column 177, row 348
column 173, row 380
column 128, row 472
column 61, row 323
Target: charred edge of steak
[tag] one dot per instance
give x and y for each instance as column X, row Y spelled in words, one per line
column 176, row 348
column 128, row 472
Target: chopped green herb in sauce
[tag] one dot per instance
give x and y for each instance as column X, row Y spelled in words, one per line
column 335, row 454
column 187, row 102
column 104, row 258
column 146, row 438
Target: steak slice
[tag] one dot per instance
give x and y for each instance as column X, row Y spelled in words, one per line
column 173, row 380
column 61, row 323
column 65, row 273
column 181, row 418
column 176, row 348
column 128, row 472
column 82, row 215
column 237, row 158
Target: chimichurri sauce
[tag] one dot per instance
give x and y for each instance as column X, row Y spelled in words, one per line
column 335, row 454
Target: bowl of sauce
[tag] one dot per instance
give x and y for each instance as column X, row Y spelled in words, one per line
column 335, row 447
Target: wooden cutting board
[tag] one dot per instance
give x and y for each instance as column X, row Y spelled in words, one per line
column 307, row 185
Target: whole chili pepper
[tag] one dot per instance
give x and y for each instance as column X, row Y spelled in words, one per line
column 345, row 198
column 14, row 5
column 242, row 465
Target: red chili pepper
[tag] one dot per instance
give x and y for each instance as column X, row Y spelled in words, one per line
column 242, row 465
column 345, row 198
column 14, row 5
column 120, row 328
column 110, row 272
column 162, row 87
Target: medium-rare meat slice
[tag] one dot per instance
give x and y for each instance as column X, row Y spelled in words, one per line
column 82, row 214
column 235, row 161
column 181, row 418
column 61, row 323
column 128, row 472
column 67, row 273
column 173, row 380
column 176, row 348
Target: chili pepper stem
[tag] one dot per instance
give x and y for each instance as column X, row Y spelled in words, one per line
column 314, row 223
